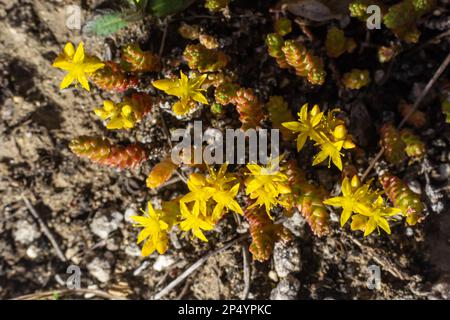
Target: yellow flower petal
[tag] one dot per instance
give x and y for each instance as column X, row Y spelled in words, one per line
column 346, row 187
column 196, row 96
column 304, row 113
column 148, row 248
column 79, row 54
column 335, row 202
column 69, row 50
column 371, row 225
column 84, row 82
column 319, row 158
column 346, row 214
column 199, row 234
column 383, row 223
column 63, row 65
column 301, row 140
column 144, row 234
column 115, row 124
column 67, row 81
column 92, row 67
column 164, row 84
column 292, row 125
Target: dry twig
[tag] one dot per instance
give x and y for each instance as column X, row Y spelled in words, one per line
column 66, row 292
column 44, row 229
column 246, row 261
column 195, row 266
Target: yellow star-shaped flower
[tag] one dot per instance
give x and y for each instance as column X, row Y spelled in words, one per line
column 352, row 200
column 266, row 184
column 187, row 89
column 199, row 193
column 78, row 65
column 225, row 200
column 306, row 125
column 154, row 230
column 194, row 223
column 378, row 217
column 331, row 150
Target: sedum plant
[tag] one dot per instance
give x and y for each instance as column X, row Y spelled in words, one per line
column 356, row 79
column 401, row 18
column 337, row 44
column 326, row 130
column 257, row 192
column 403, row 198
column 126, row 114
column 102, row 151
column 392, row 143
column 368, row 210
column 216, row 5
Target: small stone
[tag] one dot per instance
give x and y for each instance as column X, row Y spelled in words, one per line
column 287, row 259
column 441, row 289
column 287, row 289
column 103, row 224
column 33, row 252
column 415, row 186
column 129, row 212
column 91, row 295
column 133, row 250
column 112, row 245
column 409, row 232
column 444, row 171
column 163, row 262
column 100, row 269
column 273, row 276
column 25, row 232
column 295, row 224
column 379, row 76
column 72, row 254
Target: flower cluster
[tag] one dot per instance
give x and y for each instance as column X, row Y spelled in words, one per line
column 266, row 184
column 365, row 206
column 126, row 114
column 327, row 131
column 210, row 197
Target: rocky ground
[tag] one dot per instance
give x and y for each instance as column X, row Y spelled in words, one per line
column 87, row 207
